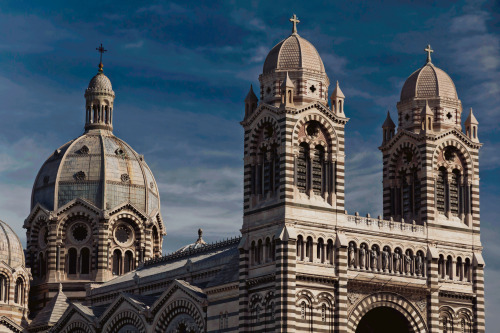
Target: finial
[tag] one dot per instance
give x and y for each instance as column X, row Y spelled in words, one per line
column 200, row 233
column 60, row 287
column 429, row 51
column 294, row 19
column 101, row 50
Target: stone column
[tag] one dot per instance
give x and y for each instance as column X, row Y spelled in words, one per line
column 340, row 311
column 244, row 317
column 103, row 252
column 433, row 283
column 478, row 289
column 285, row 282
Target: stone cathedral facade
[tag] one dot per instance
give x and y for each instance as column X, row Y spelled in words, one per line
column 302, row 263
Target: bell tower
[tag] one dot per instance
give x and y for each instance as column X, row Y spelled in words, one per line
column 294, row 174
column 431, row 180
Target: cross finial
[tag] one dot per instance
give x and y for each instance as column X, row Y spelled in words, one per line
column 101, row 50
column 429, row 51
column 294, row 20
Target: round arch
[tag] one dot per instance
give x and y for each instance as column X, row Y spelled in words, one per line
column 334, row 148
column 176, row 308
column 393, row 161
column 259, row 126
column 122, row 319
column 463, row 151
column 390, row 300
column 77, row 327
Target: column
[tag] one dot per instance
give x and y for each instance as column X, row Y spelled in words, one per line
column 244, row 317
column 340, row 311
column 285, row 285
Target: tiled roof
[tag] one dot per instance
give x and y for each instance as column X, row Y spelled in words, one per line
column 294, row 52
column 428, row 82
column 51, row 313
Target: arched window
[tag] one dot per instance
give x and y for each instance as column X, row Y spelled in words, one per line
column 441, row 184
column 303, row 311
column 4, row 290
column 128, row 264
column 467, row 270
column 72, row 261
column 323, row 312
column 85, row 261
column 300, row 247
column 259, row 252
column 449, row 268
column 455, row 192
column 318, row 170
column 253, row 254
column 302, row 167
column 19, row 291
column 329, row 252
column 458, row 270
column 156, row 243
column 309, row 248
column 226, row 320
column 441, row 268
column 320, row 250
column 267, row 170
column 117, row 262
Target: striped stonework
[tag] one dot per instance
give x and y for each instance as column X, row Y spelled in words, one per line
column 390, row 300
column 433, row 298
column 340, row 314
column 243, row 311
column 478, row 287
column 285, row 286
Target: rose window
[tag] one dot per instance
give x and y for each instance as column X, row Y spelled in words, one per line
column 80, row 233
column 124, row 235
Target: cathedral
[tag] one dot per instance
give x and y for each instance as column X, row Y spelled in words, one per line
column 93, row 260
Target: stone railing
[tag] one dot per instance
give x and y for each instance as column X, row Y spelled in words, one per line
column 386, row 225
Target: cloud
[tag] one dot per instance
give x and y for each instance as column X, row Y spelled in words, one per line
column 469, row 23
column 135, row 45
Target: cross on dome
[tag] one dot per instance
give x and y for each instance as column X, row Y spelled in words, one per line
column 429, row 51
column 295, row 20
column 101, row 50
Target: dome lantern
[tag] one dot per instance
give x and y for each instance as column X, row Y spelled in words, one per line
column 99, row 99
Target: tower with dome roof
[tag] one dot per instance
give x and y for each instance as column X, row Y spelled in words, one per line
column 15, row 280
column 95, row 207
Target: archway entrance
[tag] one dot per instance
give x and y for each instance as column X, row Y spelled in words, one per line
column 384, row 320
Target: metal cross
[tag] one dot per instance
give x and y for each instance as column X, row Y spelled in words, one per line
column 101, row 50
column 429, row 51
column 294, row 20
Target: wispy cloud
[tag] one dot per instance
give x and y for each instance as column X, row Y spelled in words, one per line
column 135, row 45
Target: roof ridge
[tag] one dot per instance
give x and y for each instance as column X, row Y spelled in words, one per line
column 189, row 252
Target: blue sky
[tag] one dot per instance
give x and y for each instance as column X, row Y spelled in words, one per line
column 180, row 71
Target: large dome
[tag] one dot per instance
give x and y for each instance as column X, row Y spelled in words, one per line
column 11, row 249
column 428, row 82
column 100, row 168
column 292, row 53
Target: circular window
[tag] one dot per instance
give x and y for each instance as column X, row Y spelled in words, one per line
column 312, row 129
column 43, row 237
column 79, row 233
column 124, row 235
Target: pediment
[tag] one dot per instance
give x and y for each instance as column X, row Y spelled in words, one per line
column 128, row 206
column 192, row 292
column 79, row 202
column 37, row 212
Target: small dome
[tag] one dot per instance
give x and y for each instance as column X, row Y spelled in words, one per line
column 100, row 168
column 193, row 246
column 428, row 82
column 100, row 82
column 11, row 249
column 293, row 53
